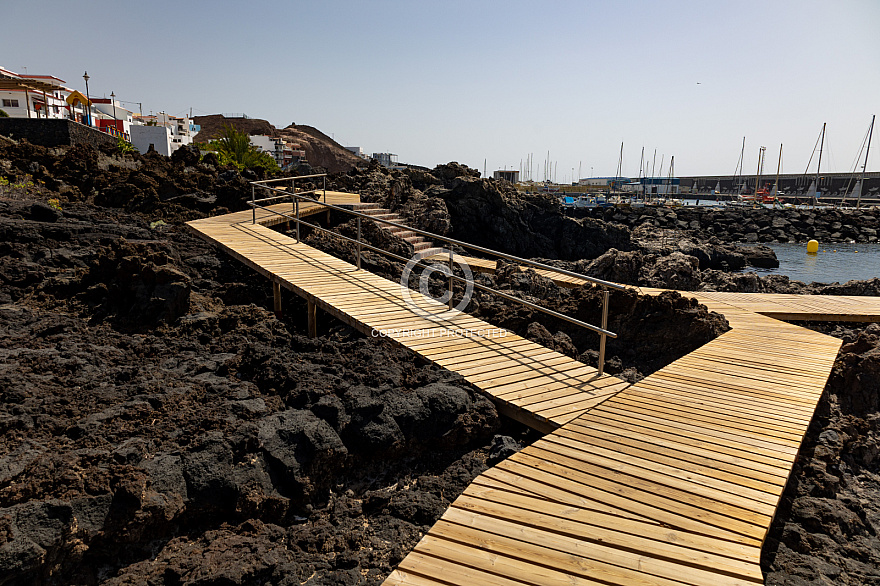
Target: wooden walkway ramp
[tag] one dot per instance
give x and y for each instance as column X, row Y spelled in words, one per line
column 854, row 308
column 528, row 382
column 673, row 480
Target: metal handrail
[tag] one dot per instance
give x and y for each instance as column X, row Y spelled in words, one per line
column 255, row 184
column 282, row 196
column 602, row 331
column 434, row 236
column 426, row 261
column 289, row 178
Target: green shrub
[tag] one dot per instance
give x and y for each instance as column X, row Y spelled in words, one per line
column 123, row 146
column 3, row 114
column 235, row 148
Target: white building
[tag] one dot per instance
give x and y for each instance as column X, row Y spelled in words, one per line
column 385, row 159
column 33, row 96
column 263, row 143
column 179, row 131
column 279, row 149
column 159, row 136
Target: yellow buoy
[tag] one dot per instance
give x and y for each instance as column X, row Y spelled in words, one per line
column 812, row 247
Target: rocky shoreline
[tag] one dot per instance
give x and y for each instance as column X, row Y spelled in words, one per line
column 730, row 224
column 159, row 425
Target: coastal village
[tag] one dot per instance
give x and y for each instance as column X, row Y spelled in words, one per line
column 350, row 370
column 47, row 97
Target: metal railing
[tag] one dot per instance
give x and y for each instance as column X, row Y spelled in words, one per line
column 263, row 184
column 295, row 196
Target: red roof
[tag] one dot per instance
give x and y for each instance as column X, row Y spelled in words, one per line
column 44, row 77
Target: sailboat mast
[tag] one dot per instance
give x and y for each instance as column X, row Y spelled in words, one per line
column 742, row 155
column 641, row 174
column 778, row 169
column 761, row 152
column 819, row 165
column 865, row 166
column 619, row 167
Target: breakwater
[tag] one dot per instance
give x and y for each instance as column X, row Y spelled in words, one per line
column 747, row 224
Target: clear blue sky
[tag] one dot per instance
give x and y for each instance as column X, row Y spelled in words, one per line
column 468, row 81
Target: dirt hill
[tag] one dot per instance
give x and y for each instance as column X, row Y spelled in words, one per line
column 213, row 124
column 321, row 150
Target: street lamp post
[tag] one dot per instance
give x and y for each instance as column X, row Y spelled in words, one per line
column 88, row 99
column 113, row 101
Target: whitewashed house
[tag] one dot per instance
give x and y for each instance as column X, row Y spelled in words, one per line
column 33, row 96
column 165, row 132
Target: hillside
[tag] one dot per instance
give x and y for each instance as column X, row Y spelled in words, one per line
column 321, row 150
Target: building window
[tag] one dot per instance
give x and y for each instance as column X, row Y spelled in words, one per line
column 10, row 103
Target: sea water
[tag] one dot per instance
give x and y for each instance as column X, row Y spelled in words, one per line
column 833, row 263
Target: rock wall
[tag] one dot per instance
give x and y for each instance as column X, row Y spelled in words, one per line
column 54, row 132
column 747, row 224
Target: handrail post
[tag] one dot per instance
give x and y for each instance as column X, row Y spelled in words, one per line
column 254, row 203
column 293, row 191
column 296, row 204
column 450, row 279
column 359, row 242
column 602, row 337
column 325, row 188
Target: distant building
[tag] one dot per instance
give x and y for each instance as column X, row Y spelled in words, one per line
column 512, row 176
column 357, row 151
column 263, row 143
column 285, row 153
column 604, row 181
column 142, row 136
column 385, row 159
column 180, row 132
column 112, row 118
column 659, row 185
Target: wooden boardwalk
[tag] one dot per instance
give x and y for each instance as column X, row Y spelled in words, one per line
column 673, row 480
column 528, row 382
column 781, row 306
column 266, row 217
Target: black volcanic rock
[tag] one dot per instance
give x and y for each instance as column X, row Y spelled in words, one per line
column 160, row 425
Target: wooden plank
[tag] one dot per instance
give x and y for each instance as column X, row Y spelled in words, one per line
column 678, row 441
column 785, row 453
column 680, row 476
column 601, row 544
column 573, row 558
column 577, row 522
column 526, row 480
column 680, row 511
column 726, row 467
column 690, row 489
